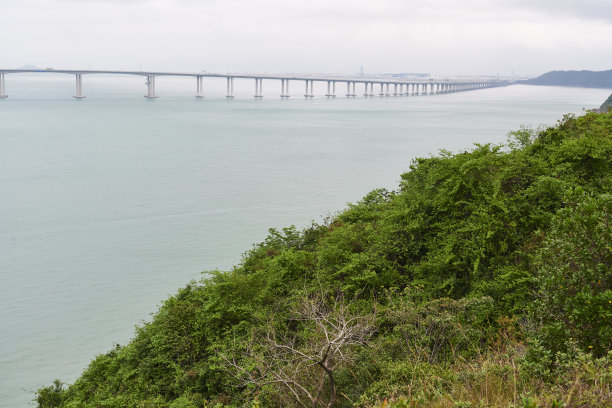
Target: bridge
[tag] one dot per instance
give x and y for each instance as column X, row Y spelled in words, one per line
column 388, row 86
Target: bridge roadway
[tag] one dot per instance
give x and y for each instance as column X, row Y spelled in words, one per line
column 400, row 86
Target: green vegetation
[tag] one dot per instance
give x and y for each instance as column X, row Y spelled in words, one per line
column 583, row 79
column 485, row 280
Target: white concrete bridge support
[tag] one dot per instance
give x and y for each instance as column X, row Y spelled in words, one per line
column 284, row 88
column 331, row 89
column 350, row 93
column 199, row 87
column 2, row 88
column 78, row 91
column 371, row 92
column 150, row 87
column 230, row 88
column 309, row 92
column 258, row 88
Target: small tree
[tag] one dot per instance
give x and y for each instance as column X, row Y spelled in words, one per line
column 574, row 278
column 325, row 339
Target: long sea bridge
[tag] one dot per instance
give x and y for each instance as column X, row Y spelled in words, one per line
column 386, row 86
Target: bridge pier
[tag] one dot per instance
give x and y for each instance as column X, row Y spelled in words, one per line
column 309, row 94
column 78, row 92
column 349, row 93
column 284, row 88
column 331, row 89
column 258, row 88
column 2, row 89
column 230, row 88
column 150, row 87
column 199, row 87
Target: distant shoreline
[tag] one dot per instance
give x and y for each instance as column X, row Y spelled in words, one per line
column 580, row 79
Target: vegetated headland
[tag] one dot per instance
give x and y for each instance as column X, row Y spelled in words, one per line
column 607, row 105
column 583, row 79
column 484, row 280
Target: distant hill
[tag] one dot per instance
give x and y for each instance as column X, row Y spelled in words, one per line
column 584, row 79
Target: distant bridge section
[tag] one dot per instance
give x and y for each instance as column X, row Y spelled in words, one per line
column 387, row 86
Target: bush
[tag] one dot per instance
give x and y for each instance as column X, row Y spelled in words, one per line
column 574, row 278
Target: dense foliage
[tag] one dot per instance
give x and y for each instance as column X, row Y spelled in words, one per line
column 485, row 280
column 584, row 79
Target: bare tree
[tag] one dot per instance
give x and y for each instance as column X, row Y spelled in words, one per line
column 303, row 361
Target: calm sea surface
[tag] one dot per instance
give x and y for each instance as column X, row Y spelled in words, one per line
column 109, row 204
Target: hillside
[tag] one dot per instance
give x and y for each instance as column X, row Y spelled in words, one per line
column 607, row 105
column 485, row 279
column 583, row 79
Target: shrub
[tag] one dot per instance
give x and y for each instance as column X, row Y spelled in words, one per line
column 574, row 278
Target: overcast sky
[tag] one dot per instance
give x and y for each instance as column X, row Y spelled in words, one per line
column 323, row 36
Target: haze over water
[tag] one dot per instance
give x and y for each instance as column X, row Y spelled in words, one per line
column 110, row 204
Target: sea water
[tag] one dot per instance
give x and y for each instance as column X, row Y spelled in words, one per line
column 110, row 204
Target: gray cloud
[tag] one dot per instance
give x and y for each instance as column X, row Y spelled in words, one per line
column 443, row 36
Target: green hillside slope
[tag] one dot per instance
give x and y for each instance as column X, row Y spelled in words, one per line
column 484, row 280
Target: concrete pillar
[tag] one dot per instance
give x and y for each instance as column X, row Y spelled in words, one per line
column 284, row 88
column 78, row 91
column 199, row 87
column 309, row 89
column 2, row 88
column 258, row 88
column 331, row 89
column 382, row 92
column 350, row 92
column 150, row 87
column 394, row 89
column 230, row 88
